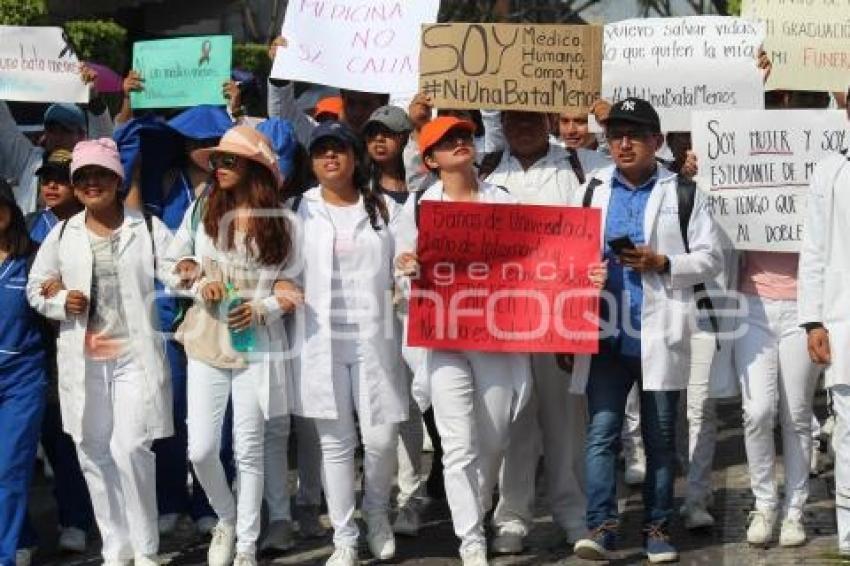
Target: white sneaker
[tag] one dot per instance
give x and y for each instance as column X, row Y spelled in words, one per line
column 142, row 560
column 205, row 525
column 380, row 536
column 245, row 559
column 72, row 539
column 280, row 536
column 309, row 525
column 635, row 471
column 508, row 540
column 222, row 545
column 792, row 533
column 475, row 556
column 696, row 516
column 117, row 562
column 23, row 556
column 760, row 531
column 168, row 523
column 343, row 556
column 407, row 520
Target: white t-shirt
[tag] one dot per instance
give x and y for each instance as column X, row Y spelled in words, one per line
column 344, row 303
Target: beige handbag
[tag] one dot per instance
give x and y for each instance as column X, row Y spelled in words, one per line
column 204, row 333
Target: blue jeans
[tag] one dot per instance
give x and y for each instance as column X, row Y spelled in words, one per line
column 611, row 378
column 172, row 454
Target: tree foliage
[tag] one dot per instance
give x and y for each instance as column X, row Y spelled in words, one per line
column 22, row 12
column 252, row 57
column 100, row 41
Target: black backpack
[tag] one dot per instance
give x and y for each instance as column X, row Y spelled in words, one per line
column 686, row 194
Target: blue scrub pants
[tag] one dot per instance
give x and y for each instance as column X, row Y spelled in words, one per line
column 22, row 389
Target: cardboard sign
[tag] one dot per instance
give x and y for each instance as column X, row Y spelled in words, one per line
column 547, row 68
column 684, row 64
column 182, row 72
column 38, row 65
column 366, row 45
column 756, row 167
column 808, row 42
column 505, row 278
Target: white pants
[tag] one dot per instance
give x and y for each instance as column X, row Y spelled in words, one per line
column 556, row 420
column 116, row 459
column 209, row 389
column 411, row 431
column 473, row 399
column 777, row 376
column 338, row 438
column 841, row 447
column 701, row 417
column 276, row 486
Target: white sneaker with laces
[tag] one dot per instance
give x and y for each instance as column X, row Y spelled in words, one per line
column 760, row 531
column 792, row 532
column 508, row 540
column 407, row 520
column 343, row 556
column 380, row 535
column 280, row 536
column 23, row 556
column 142, row 560
column 168, row 523
column 696, row 516
column 72, row 539
column 222, row 545
column 475, row 556
column 245, row 559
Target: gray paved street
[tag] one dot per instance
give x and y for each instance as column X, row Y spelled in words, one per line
column 436, row 544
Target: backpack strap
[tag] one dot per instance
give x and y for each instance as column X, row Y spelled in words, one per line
column 62, row 229
column 417, row 196
column 489, row 163
column 296, row 202
column 149, row 225
column 588, row 192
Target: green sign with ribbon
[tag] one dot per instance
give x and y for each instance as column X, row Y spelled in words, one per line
column 182, row 72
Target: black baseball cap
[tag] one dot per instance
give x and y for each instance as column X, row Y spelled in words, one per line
column 335, row 130
column 635, row 111
column 58, row 164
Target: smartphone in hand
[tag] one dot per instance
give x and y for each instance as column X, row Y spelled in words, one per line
column 620, row 244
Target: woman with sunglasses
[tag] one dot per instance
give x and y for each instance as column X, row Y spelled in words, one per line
column 474, row 394
column 348, row 371
column 95, row 274
column 238, row 241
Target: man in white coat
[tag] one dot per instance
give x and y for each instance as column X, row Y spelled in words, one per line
column 824, row 308
column 648, row 313
column 539, row 172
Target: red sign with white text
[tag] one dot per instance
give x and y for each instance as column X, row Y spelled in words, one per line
column 505, row 278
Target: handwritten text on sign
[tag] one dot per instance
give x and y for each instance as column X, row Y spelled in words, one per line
column 756, row 167
column 683, row 64
column 507, row 66
column 505, row 278
column 366, row 45
column 182, row 72
column 808, row 42
column 37, row 65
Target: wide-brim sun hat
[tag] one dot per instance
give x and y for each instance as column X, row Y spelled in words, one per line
column 243, row 141
column 436, row 129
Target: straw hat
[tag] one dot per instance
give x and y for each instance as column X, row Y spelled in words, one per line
column 243, row 141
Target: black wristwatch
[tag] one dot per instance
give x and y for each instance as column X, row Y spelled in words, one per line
column 666, row 267
column 809, row 326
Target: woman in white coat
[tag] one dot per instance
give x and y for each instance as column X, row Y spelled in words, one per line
column 241, row 238
column 114, row 387
column 349, row 359
column 475, row 395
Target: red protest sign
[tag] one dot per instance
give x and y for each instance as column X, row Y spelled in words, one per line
column 505, row 278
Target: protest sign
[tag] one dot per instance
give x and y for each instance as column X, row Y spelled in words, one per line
column 808, row 42
column 505, row 278
column 366, row 45
column 756, row 166
column 38, row 65
column 684, row 64
column 182, row 72
column 511, row 66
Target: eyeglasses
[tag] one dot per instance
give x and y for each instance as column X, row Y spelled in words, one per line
column 634, row 135
column 223, row 161
column 452, row 138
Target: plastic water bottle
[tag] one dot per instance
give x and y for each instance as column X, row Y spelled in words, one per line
column 241, row 340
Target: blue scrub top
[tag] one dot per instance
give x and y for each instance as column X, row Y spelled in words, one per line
column 42, row 226
column 21, row 339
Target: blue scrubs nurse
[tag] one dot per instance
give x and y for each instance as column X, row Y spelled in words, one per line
column 22, row 375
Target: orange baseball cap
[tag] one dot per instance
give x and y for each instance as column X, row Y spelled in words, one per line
column 433, row 131
column 331, row 105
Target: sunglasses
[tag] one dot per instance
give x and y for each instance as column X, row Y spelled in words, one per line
column 96, row 178
column 453, row 137
column 223, row 161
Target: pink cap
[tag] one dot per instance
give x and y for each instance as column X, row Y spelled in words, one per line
column 101, row 152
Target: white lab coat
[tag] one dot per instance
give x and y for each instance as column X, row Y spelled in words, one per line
column 822, row 292
column 313, row 386
column 549, row 181
column 668, row 311
column 193, row 242
column 70, row 259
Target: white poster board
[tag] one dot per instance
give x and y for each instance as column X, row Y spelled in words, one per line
column 37, row 65
column 366, row 45
column 684, row 64
column 756, row 166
